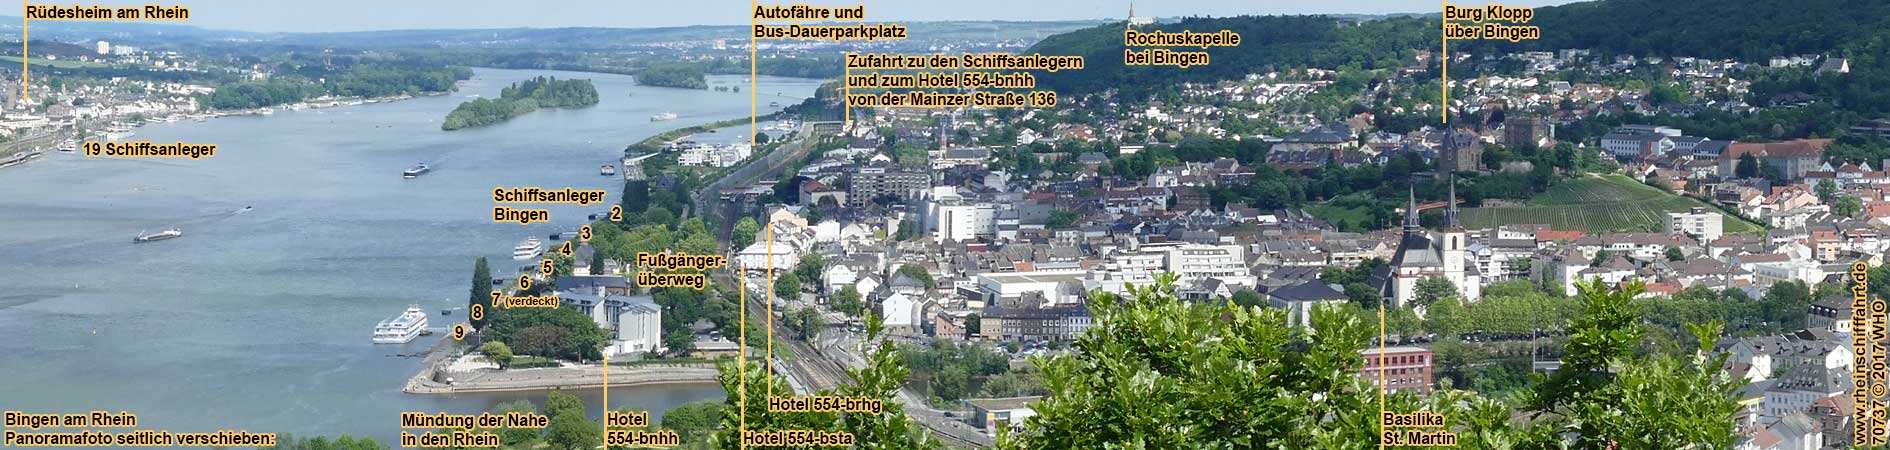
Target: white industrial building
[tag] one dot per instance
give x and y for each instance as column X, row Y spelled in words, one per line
column 1056, row 287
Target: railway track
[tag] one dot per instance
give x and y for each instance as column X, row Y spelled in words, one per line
column 817, row 372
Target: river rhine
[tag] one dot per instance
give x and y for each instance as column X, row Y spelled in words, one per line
column 260, row 319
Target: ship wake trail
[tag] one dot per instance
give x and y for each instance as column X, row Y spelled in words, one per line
column 192, row 221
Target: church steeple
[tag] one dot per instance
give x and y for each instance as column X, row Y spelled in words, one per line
column 1450, row 211
column 1411, row 212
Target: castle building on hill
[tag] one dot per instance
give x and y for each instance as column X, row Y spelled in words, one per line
column 1459, row 152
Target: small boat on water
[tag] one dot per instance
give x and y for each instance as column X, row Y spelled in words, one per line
column 607, row 170
column 774, row 104
column 402, row 328
column 528, row 249
column 415, row 171
column 17, row 158
column 158, row 236
column 663, row 116
column 119, row 133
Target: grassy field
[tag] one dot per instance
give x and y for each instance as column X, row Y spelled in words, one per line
column 1598, row 204
column 60, row 63
column 1336, row 214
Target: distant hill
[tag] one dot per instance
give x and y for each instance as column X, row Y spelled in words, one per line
column 1750, row 30
column 1267, row 43
column 566, row 38
column 43, row 48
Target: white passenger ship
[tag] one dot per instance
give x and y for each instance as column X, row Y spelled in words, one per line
column 402, row 328
column 528, row 249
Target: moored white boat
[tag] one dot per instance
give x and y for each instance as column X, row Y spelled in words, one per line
column 528, row 249
column 402, row 328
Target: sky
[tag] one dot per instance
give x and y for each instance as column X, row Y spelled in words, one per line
column 360, row 15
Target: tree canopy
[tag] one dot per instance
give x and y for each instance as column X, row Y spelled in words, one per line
column 1154, row 372
column 521, row 98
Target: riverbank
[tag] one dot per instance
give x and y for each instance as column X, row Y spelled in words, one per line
column 289, row 292
column 313, row 103
column 17, row 158
column 654, row 143
column 471, row 376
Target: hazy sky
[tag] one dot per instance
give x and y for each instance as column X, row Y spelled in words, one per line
column 357, row 15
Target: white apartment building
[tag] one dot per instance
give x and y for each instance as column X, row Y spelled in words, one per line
column 1808, row 272
column 713, row 155
column 959, row 221
column 1195, row 262
column 1193, row 265
column 950, row 216
column 1703, row 225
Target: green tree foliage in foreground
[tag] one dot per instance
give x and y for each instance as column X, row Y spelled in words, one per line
column 880, row 379
column 694, row 422
column 570, row 428
column 1153, row 372
column 521, row 98
column 344, row 442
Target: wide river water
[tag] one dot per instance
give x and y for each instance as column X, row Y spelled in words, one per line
column 260, row 319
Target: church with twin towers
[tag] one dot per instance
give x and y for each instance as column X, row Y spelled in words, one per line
column 1421, row 254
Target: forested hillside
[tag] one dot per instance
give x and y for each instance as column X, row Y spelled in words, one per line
column 1267, row 43
column 1749, row 30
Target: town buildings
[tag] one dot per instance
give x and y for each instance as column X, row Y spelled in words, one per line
column 1398, row 368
